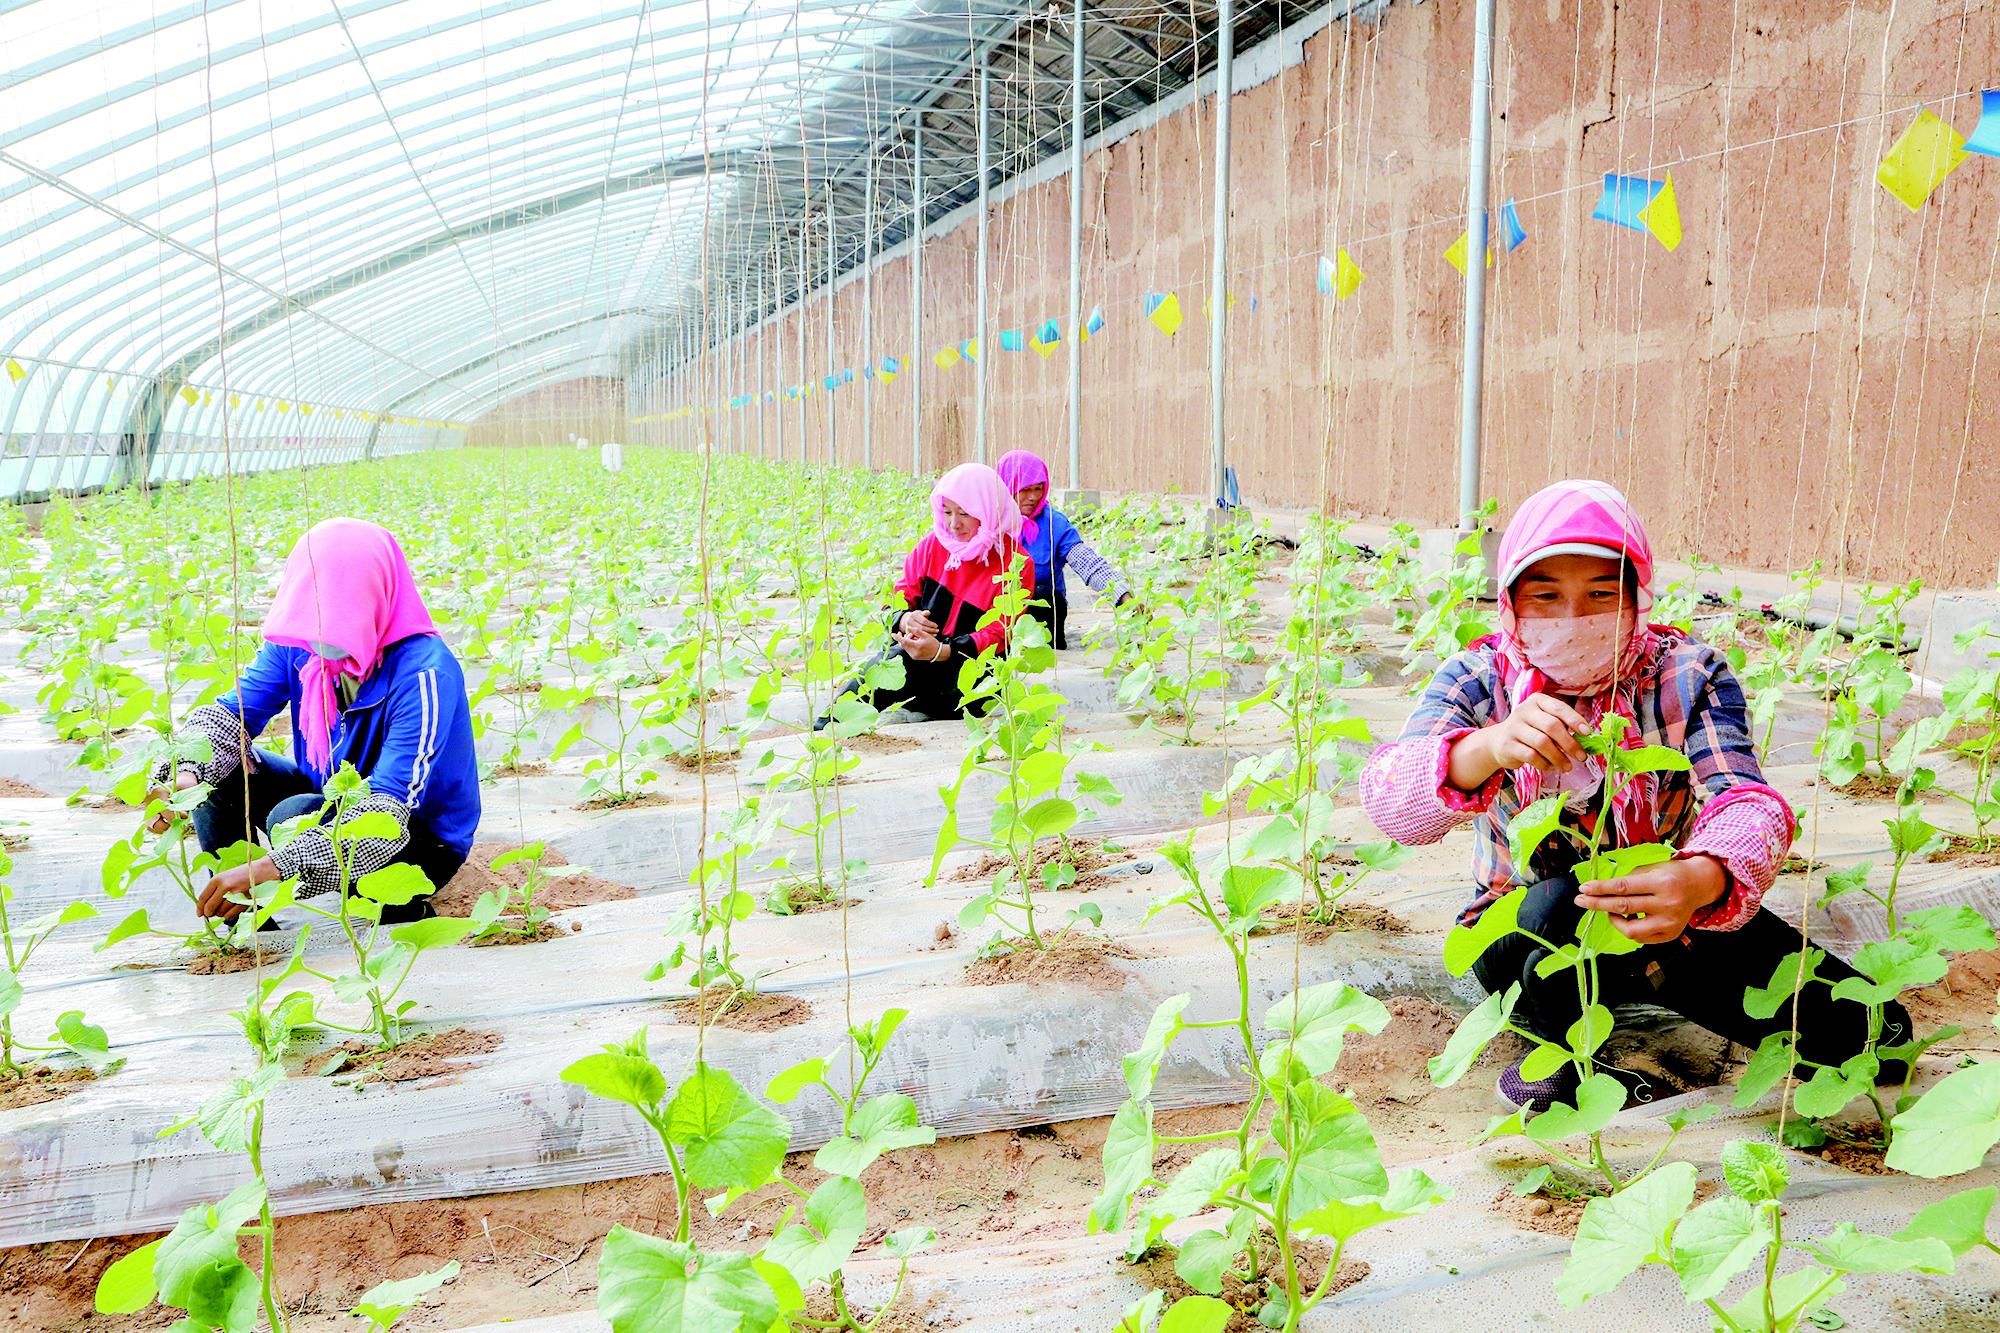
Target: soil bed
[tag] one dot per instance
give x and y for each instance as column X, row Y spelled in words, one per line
column 548, row 930
column 1870, row 787
column 477, row 876
column 1856, row 1148
column 1961, row 850
column 531, row 769
column 1247, row 1298
column 766, row 1011
column 1794, row 864
column 1077, row 960
column 429, row 1056
column 15, row 789
column 869, row 742
column 691, row 763
column 806, row 899
column 228, row 962
column 1086, row 854
column 636, row 801
column 41, row 1084
column 1346, row 916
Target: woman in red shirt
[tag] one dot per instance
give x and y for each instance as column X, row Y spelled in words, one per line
column 949, row 583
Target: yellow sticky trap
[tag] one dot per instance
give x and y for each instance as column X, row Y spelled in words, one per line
column 1166, row 316
column 305, row 409
column 946, row 358
column 235, row 401
column 972, row 348
column 1663, row 216
column 1208, row 305
column 1046, row 349
column 110, row 385
column 15, row 371
column 1458, row 248
column 1921, row 159
column 284, row 406
column 1347, row 276
column 189, row 396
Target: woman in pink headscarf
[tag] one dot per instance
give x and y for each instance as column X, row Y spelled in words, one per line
column 1055, row 545
column 350, row 650
column 1497, row 728
column 949, row 582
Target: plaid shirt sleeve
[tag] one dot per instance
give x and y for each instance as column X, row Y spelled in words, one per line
column 1405, row 787
column 1743, row 822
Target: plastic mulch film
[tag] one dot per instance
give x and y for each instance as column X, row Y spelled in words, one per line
column 1480, row 1271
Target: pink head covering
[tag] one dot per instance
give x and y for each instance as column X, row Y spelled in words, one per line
column 1020, row 470
column 978, row 490
column 1585, row 518
column 347, row 586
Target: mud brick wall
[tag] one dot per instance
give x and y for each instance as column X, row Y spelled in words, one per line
column 1800, row 380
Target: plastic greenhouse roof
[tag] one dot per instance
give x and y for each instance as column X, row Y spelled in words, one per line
column 392, row 214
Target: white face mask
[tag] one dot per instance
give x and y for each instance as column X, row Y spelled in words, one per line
column 328, row 651
column 1578, row 653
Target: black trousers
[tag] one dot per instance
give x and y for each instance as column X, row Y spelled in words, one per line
column 930, row 688
column 278, row 791
column 1700, row 976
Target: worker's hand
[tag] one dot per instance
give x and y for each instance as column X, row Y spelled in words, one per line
column 236, row 882
column 1653, row 904
column 922, row 647
column 1541, row 732
column 1128, row 603
column 166, row 818
column 917, row 622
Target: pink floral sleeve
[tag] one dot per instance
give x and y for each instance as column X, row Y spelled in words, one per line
column 1748, row 828
column 1406, row 789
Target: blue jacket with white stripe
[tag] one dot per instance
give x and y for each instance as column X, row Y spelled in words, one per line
column 408, row 731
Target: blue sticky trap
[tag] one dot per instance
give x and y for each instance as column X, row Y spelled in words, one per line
column 1231, row 496
column 847, row 375
column 831, row 381
column 1325, row 276
column 867, row 372
column 969, row 349
column 891, row 366
column 1986, row 135
column 1096, row 320
column 1011, row 340
column 1153, row 300
column 1510, row 227
column 1624, row 199
column 1050, row 332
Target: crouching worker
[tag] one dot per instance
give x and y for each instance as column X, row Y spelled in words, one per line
column 1054, row 544
column 949, row 582
column 350, row 650
column 1498, row 728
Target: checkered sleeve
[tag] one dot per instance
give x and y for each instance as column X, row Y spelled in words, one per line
column 1744, row 823
column 1405, row 786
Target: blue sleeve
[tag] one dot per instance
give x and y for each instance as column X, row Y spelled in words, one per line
column 425, row 709
column 264, row 690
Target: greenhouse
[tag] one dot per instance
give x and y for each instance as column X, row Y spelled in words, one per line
column 902, row 665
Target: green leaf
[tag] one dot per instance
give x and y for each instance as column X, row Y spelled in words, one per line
column 1316, row 1022
column 1952, row 1127
column 432, row 932
column 1128, row 1163
column 1790, row 1291
column 1831, row 1088
column 1543, row 1061
column 1047, row 818
column 197, row 1267
column 1848, row 1250
column 1599, row 938
column 1341, row 1219
column 372, row 824
column 1952, row 929
column 881, row 1124
column 1760, row 1002
column 1650, row 759
column 631, row 1079
column 1336, row 1158
column 135, row 924
column 1194, row 1188
column 1959, row 1220
column 1248, row 890
column 1527, row 830
column 1196, row 1314
column 1142, row 1066
column 386, row 1302
column 1715, row 1242
column 126, row 1287
column 649, row 1285
column 732, row 1142
column 1465, row 943
column 393, row 885
column 1599, row 1099
column 1590, row 1032
column 224, row 1119
column 1621, row 1231
column 1754, row 1172
column 786, row 1087
column 1615, row 862
column 1769, row 1064
column 1202, row 1257
column 1474, row 1032
column 835, row 1217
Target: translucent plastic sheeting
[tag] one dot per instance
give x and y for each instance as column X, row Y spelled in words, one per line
column 1453, row 1268
column 974, row 1057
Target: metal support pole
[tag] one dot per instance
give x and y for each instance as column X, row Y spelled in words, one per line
column 799, row 316
column 757, row 322
column 777, row 348
column 1076, row 247
column 832, row 369
column 917, row 299
column 985, row 209
column 868, row 323
column 1218, row 286
column 1477, row 240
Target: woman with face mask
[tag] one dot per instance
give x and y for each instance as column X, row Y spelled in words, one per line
column 1498, row 727
column 949, row 582
column 1055, row 545
column 350, row 650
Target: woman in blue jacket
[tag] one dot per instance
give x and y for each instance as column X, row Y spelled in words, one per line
column 351, row 651
column 1054, row 544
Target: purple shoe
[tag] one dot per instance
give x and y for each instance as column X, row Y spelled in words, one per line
column 1539, row 1094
